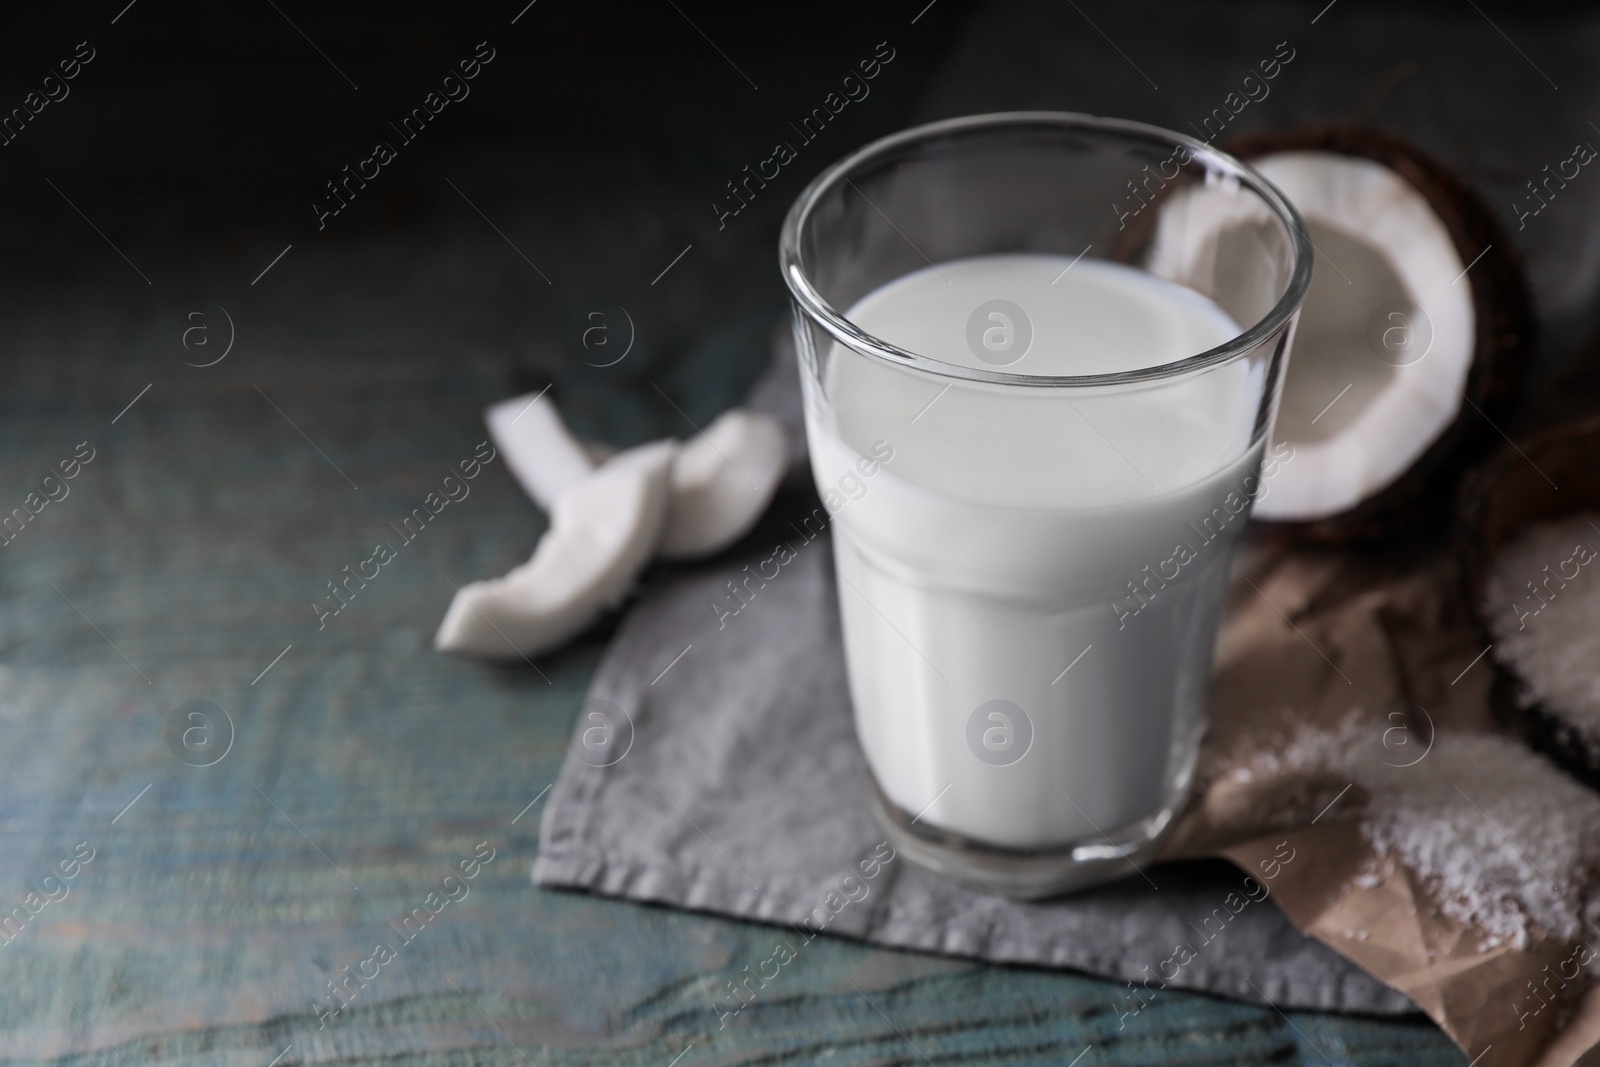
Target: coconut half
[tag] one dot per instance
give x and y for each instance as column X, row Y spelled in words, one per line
column 1410, row 343
column 1541, row 482
column 1384, row 338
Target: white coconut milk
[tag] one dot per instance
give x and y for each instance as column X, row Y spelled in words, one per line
column 1029, row 587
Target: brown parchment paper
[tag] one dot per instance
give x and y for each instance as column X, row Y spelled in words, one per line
column 1310, row 638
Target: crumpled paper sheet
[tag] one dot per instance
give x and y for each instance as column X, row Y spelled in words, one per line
column 1309, row 638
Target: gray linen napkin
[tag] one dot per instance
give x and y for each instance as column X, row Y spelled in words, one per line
column 714, row 766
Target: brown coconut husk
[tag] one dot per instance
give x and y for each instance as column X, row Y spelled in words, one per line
column 1504, row 496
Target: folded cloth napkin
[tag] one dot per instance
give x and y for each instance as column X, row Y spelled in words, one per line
column 717, row 769
column 714, row 766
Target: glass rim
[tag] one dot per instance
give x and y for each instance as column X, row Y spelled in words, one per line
column 848, row 333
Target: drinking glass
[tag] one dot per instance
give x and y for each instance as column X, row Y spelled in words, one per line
column 1031, row 548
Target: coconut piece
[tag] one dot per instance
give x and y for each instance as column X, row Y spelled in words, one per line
column 544, row 457
column 1402, row 354
column 722, row 481
column 1509, row 509
column 602, row 533
column 1542, row 602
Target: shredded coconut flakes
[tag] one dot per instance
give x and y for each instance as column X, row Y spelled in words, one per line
column 1550, row 633
column 1500, row 838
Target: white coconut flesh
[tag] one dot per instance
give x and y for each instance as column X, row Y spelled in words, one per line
column 543, row 456
column 722, row 479
column 610, row 513
column 722, row 482
column 1355, row 419
column 602, row 533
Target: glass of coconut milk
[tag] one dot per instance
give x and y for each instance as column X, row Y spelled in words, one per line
column 1041, row 354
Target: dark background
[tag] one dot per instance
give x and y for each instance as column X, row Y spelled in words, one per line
column 599, row 138
column 595, row 142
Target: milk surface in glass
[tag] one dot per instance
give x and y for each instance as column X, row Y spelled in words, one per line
column 1029, row 577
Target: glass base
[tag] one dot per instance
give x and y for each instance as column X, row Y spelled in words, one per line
column 1023, row 874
